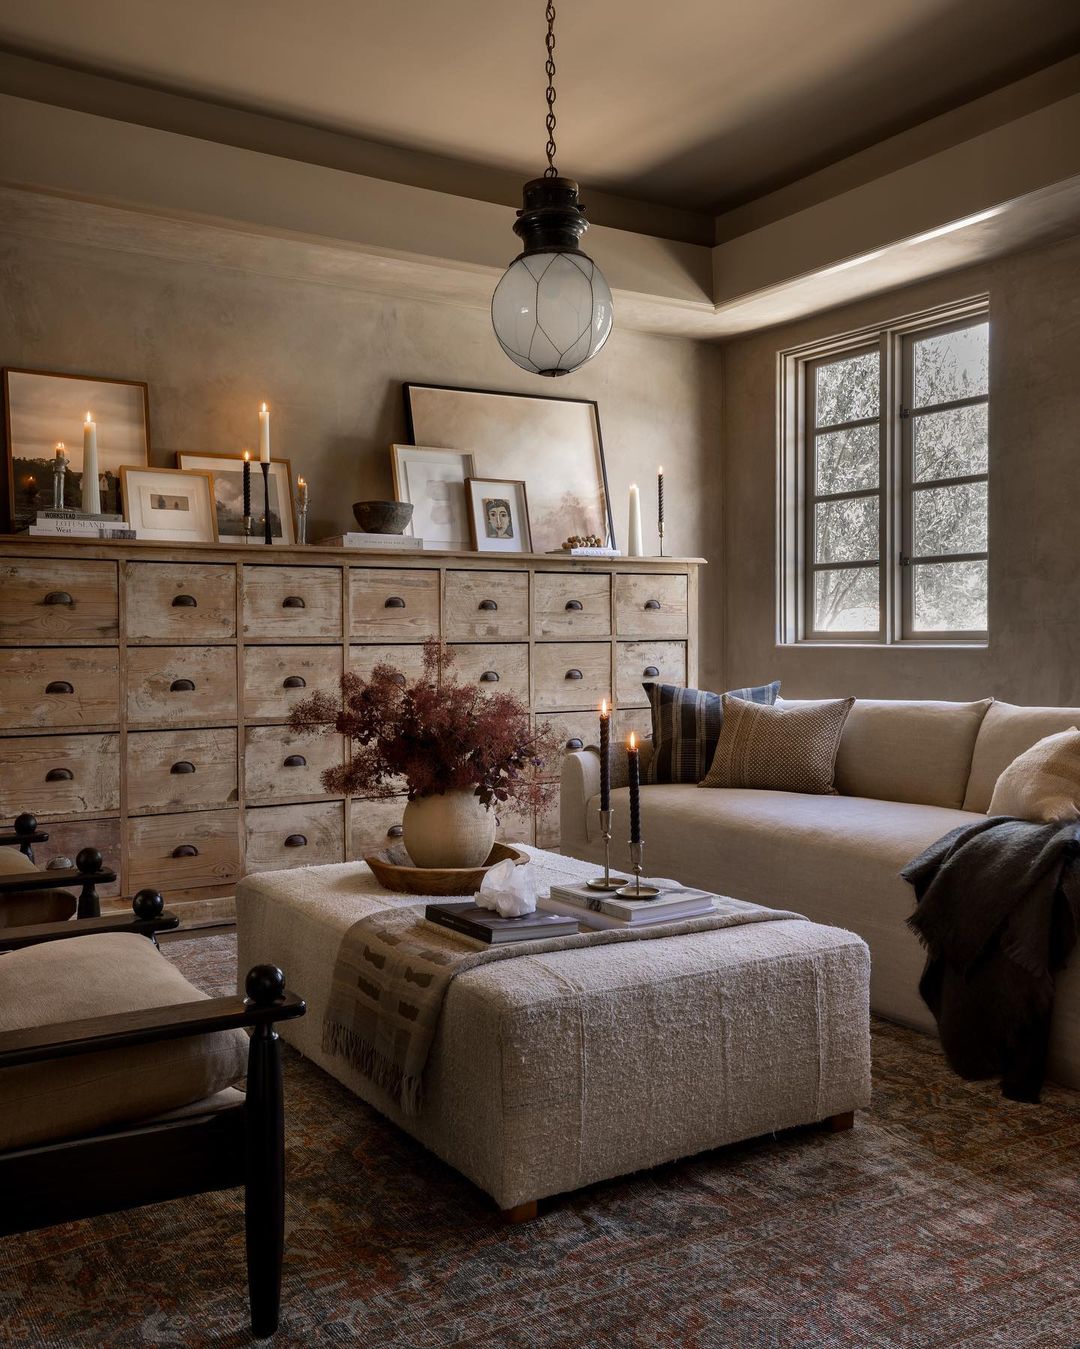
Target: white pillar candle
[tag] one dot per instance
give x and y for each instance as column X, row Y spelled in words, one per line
column 264, row 434
column 633, row 533
column 91, row 488
column 303, row 489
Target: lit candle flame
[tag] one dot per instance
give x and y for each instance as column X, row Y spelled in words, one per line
column 247, row 456
column 300, row 482
column 89, row 419
column 603, row 707
column 632, row 745
column 262, row 408
column 660, row 470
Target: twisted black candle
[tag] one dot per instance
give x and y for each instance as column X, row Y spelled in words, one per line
column 660, row 496
column 267, row 535
column 605, row 758
column 635, row 791
column 247, row 485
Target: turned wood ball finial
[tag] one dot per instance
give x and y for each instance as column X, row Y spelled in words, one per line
column 264, row 984
column 148, row 904
column 88, row 860
column 26, row 824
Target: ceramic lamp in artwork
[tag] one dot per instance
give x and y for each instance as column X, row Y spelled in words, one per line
column 452, row 829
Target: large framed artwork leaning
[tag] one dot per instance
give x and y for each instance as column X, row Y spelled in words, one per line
column 553, row 444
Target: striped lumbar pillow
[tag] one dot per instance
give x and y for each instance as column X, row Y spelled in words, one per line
column 686, row 727
column 780, row 749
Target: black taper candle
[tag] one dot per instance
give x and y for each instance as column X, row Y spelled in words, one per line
column 605, row 757
column 267, row 535
column 635, row 791
column 660, row 496
column 247, row 487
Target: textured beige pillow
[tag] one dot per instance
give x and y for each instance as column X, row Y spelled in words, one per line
column 781, row 749
column 1043, row 783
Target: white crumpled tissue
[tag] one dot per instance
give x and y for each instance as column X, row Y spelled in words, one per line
column 508, row 889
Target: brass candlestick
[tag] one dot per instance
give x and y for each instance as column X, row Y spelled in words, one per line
column 634, row 889
column 607, row 881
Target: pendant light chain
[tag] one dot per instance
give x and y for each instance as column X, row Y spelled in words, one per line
column 551, row 171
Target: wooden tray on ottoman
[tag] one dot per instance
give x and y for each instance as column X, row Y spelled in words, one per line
column 394, row 869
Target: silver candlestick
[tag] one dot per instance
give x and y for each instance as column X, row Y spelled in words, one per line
column 607, row 881
column 634, row 889
column 660, row 530
column 301, row 521
column 59, row 469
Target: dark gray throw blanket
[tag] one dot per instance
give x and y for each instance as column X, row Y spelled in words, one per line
column 999, row 913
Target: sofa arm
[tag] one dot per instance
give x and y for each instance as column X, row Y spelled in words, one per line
column 581, row 782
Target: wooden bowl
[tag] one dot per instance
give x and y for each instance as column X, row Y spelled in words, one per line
column 394, row 870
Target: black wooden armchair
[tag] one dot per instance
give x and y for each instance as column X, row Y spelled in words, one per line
column 28, row 895
column 205, row 1147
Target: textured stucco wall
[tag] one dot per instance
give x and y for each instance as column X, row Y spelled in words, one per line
column 213, row 341
column 1034, row 650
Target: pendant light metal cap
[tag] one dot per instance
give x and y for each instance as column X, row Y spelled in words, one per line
column 551, row 219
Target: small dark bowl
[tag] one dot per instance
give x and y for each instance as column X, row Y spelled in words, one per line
column 382, row 517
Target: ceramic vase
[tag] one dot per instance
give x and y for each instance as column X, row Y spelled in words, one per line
column 455, row 829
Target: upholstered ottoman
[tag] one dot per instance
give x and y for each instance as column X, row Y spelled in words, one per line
column 553, row 1071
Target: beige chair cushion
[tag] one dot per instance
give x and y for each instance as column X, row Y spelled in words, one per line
column 94, row 976
column 782, row 748
column 1007, row 731
column 37, row 906
column 1043, row 783
column 909, row 751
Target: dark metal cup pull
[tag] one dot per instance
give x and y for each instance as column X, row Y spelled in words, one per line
column 185, row 602
column 398, row 678
column 182, row 766
column 574, row 606
column 652, row 604
column 573, row 674
column 182, row 686
column 394, row 602
column 185, row 850
column 396, row 831
column 296, row 841
column 58, row 686
column 59, row 775
column 487, row 605
column 294, row 761
column 489, row 677
column 293, row 602
column 58, row 597
column 294, row 682
column 575, row 742
column 650, row 672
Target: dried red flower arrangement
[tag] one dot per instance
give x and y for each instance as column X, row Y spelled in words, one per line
column 434, row 734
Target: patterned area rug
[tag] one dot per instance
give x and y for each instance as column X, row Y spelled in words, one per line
column 948, row 1217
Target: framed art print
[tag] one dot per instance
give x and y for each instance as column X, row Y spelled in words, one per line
column 169, row 505
column 228, row 474
column 434, row 481
column 498, row 515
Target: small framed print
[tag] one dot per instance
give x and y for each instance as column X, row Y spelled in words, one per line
column 170, row 505
column 498, row 515
column 433, row 480
column 228, row 474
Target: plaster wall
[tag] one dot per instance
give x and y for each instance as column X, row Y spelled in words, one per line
column 1033, row 654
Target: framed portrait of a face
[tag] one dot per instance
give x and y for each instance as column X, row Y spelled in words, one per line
column 169, row 505
column 498, row 515
column 228, row 475
column 434, row 481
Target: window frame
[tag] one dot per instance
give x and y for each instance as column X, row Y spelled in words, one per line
column 796, row 466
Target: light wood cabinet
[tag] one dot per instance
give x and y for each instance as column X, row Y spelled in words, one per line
column 145, row 689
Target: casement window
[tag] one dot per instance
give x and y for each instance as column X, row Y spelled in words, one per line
column 884, row 483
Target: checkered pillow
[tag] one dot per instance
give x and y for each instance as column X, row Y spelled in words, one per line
column 686, row 727
column 779, row 749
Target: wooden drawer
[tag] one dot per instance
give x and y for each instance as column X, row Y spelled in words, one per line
column 282, row 765
column 283, row 604
column 182, row 852
column 497, row 669
column 67, row 838
column 574, row 729
column 60, row 774
column 636, row 719
column 639, row 663
column 571, row 674
column 571, row 605
column 54, row 687
column 180, row 685
column 54, row 603
column 389, row 603
column 279, row 837
column 179, row 602
column 650, row 605
column 276, row 678
column 180, row 770
column 486, row 604
column 374, row 825
column 407, row 660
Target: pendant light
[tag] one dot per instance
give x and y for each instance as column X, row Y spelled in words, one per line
column 552, row 309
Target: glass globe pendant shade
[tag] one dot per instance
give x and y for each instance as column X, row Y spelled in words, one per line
column 552, row 311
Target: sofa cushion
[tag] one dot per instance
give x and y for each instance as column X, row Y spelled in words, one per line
column 909, row 751
column 779, row 748
column 35, row 906
column 686, row 727
column 94, row 976
column 1006, row 731
column 1043, row 783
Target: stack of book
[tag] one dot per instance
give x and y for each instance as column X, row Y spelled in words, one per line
column 486, row 926
column 599, row 908
column 387, row 543
column 76, row 524
column 586, row 552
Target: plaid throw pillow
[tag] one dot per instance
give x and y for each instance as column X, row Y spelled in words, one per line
column 779, row 749
column 686, row 726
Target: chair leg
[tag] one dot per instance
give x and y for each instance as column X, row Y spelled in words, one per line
column 264, row 1191
column 839, row 1124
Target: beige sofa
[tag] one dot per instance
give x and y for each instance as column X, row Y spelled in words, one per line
column 906, row 773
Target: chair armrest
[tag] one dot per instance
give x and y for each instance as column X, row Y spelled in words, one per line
column 25, row 833
column 148, row 916
column 20, row 882
column 17, row 840
column 122, row 1030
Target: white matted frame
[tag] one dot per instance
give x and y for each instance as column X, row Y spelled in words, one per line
column 170, row 505
column 498, row 515
column 228, row 474
column 433, row 480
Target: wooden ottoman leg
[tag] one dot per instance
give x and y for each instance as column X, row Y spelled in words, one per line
column 838, row 1123
column 520, row 1213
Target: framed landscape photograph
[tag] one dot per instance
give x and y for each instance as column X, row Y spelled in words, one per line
column 498, row 515
column 553, row 444
column 170, row 505
column 228, row 474
column 42, row 410
column 434, row 481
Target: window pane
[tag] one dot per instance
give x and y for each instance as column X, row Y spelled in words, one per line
column 952, row 365
column 950, row 520
column 950, row 597
column 846, row 600
column 846, row 461
column 951, row 444
column 847, row 530
column 847, row 390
